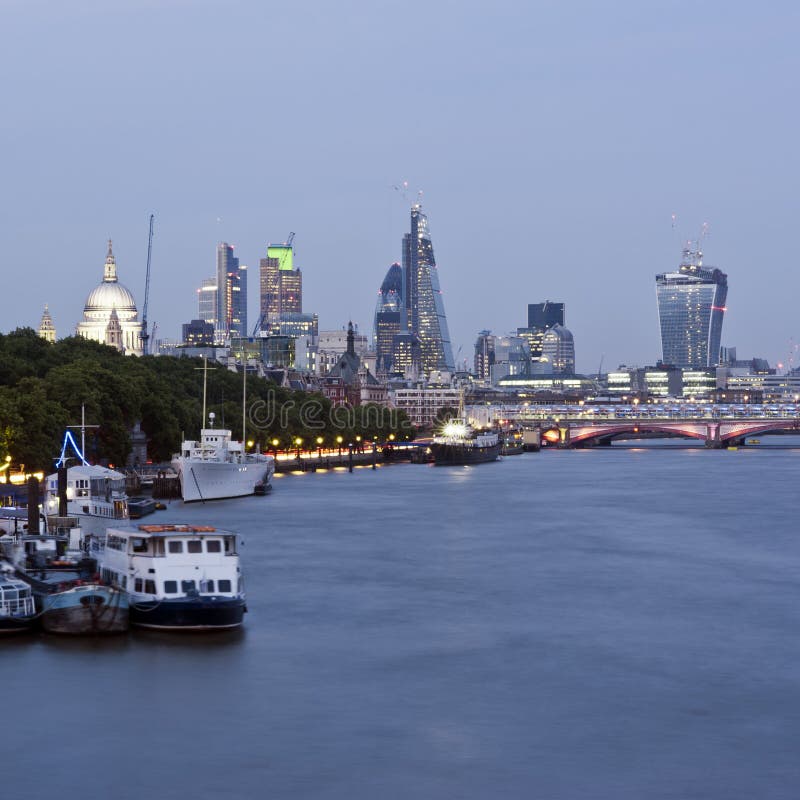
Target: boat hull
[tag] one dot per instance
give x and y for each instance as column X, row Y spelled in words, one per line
column 459, row 455
column 216, row 480
column 189, row 614
column 87, row 609
column 12, row 624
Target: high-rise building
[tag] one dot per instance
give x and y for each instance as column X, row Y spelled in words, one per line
column 425, row 315
column 484, row 355
column 691, row 306
column 545, row 315
column 541, row 317
column 281, row 285
column 231, row 293
column 558, row 351
column 390, row 318
column 207, row 301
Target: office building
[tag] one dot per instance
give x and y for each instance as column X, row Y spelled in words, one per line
column 390, row 318
column 484, row 355
column 541, row 317
column 691, row 306
column 207, row 301
column 558, row 351
column 281, row 285
column 425, row 317
column 231, row 293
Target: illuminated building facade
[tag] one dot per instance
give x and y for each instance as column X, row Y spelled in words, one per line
column 558, row 351
column 281, row 285
column 390, row 318
column 541, row 317
column 691, row 306
column 207, row 301
column 425, row 315
column 110, row 314
column 231, row 293
column 484, row 355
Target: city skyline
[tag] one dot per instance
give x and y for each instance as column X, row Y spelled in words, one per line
column 572, row 196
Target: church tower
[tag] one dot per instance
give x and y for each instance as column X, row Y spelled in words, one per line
column 46, row 328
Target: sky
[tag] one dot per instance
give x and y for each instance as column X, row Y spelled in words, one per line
column 552, row 142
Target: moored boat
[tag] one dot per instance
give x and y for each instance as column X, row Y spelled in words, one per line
column 511, row 442
column 140, row 507
column 177, row 577
column 460, row 444
column 17, row 607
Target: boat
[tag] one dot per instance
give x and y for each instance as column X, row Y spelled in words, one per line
column 139, row 507
column 177, row 577
column 459, row 443
column 17, row 607
column 94, row 494
column 217, row 467
column 68, row 595
column 511, row 442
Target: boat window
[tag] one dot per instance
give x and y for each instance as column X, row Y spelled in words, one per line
column 194, row 546
column 176, row 547
column 207, row 586
column 213, row 546
column 139, row 545
column 224, row 585
column 150, row 587
column 170, row 587
column 187, row 586
column 137, row 585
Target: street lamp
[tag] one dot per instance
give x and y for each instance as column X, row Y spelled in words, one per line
column 250, row 444
column 319, row 447
column 339, row 442
column 275, row 443
column 298, row 441
column 358, row 443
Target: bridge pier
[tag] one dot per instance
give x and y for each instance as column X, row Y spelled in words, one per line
column 564, row 441
column 713, row 440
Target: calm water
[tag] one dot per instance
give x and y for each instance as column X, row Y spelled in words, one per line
column 589, row 624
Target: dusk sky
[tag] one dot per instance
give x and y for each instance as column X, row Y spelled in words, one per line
column 552, row 141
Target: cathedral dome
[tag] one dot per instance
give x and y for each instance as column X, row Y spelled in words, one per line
column 110, row 314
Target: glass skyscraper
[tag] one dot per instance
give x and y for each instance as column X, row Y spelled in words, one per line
column 691, row 306
column 425, row 315
column 390, row 318
column 231, row 293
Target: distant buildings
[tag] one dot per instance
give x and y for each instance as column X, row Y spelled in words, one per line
column 425, row 315
column 558, row 351
column 541, row 317
column 231, row 293
column 691, row 306
column 110, row 315
column 390, row 319
column 281, row 286
column 207, row 301
column 46, row 328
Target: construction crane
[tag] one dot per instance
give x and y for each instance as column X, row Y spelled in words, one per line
column 145, row 332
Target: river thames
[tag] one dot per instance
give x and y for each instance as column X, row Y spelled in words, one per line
column 610, row 623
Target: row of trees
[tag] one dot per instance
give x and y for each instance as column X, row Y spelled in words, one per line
column 43, row 386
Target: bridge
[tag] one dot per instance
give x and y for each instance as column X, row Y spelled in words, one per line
column 586, row 425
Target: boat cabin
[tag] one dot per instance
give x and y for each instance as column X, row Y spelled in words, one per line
column 170, row 561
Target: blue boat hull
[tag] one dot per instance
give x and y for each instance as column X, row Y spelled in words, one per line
column 189, row 614
column 85, row 609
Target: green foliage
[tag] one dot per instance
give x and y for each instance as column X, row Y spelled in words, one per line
column 44, row 385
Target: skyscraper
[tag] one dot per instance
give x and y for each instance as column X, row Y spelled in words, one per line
column 691, row 306
column 425, row 315
column 541, row 317
column 390, row 318
column 231, row 293
column 281, row 285
column 207, row 301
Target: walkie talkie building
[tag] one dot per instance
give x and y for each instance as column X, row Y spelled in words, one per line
column 691, row 307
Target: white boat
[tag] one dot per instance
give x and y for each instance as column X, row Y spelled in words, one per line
column 177, row 577
column 217, row 466
column 95, row 495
